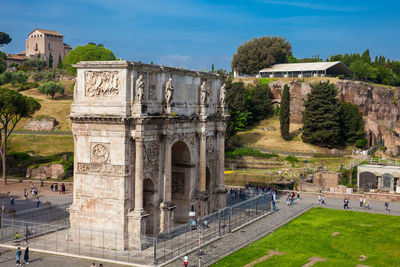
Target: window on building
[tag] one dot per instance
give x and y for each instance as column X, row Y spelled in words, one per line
column 36, row 46
column 49, row 47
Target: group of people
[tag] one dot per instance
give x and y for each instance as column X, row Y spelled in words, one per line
column 364, row 203
column 94, row 265
column 290, row 197
column 248, row 191
column 54, row 188
column 321, row 200
column 346, row 204
column 18, row 255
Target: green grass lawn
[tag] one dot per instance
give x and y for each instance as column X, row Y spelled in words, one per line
column 373, row 235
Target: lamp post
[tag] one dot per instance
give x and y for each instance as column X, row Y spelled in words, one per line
column 196, row 225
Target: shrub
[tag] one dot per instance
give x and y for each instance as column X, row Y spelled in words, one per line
column 5, row 78
column 19, row 77
column 341, row 76
column 72, row 86
column 20, row 155
column 248, row 151
column 266, row 81
column 38, row 76
column 361, row 143
column 51, row 88
column 23, row 87
column 292, row 159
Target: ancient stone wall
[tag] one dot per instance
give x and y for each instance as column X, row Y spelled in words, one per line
column 378, row 104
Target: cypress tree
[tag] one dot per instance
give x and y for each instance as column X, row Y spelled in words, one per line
column 285, row 113
column 50, row 60
column 59, row 64
column 321, row 117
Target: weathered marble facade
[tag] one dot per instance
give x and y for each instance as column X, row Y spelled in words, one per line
column 149, row 140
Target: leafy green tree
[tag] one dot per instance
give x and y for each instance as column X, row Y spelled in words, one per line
column 258, row 102
column 13, row 107
column 5, row 39
column 20, row 77
column 363, row 71
column 352, row 125
column 50, row 61
column 259, row 53
column 321, row 117
column 285, row 113
column 35, row 64
column 3, row 62
column 89, row 52
column 51, row 88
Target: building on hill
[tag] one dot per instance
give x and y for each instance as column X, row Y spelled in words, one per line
column 42, row 42
column 299, row 70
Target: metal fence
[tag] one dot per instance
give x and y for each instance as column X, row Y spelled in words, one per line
column 58, row 236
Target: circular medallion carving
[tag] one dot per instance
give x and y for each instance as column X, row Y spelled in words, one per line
column 210, row 144
column 100, row 153
column 152, row 151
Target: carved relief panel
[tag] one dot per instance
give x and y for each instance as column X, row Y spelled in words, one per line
column 102, row 83
column 100, row 152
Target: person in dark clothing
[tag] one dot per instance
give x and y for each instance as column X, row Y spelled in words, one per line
column 26, row 255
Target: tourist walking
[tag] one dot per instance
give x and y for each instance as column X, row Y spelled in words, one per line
column 26, row 194
column 93, row 265
column 26, row 255
column 56, row 187
column 298, row 194
column 52, row 188
column 37, row 202
column 361, row 201
column 12, row 201
column 185, row 260
column 344, row 204
column 273, row 200
column 18, row 256
column 386, row 206
column 323, row 200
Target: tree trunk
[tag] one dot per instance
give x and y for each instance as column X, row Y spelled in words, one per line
column 4, row 157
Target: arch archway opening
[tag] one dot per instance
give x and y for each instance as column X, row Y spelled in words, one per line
column 148, row 201
column 181, row 179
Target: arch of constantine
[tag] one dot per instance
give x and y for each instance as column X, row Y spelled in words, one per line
column 148, row 141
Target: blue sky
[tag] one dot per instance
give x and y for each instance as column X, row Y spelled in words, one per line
column 196, row 34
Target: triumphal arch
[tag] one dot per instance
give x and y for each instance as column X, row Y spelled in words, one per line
column 148, row 141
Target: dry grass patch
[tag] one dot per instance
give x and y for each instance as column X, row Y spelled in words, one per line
column 260, row 137
column 58, row 108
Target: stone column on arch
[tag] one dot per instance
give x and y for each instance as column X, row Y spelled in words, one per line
column 167, row 207
column 203, row 161
column 137, row 217
column 139, row 175
column 221, row 159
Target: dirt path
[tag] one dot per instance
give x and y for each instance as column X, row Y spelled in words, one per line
column 270, row 254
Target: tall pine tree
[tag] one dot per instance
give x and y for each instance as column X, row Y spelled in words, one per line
column 285, row 113
column 321, row 117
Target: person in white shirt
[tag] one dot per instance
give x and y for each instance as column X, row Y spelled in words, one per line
column 185, row 260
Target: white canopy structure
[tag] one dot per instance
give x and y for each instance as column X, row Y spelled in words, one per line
column 313, row 69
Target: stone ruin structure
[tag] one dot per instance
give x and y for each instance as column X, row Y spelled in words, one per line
column 148, row 141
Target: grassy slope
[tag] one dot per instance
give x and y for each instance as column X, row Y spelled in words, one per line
column 58, row 108
column 374, row 235
column 259, row 137
column 43, row 145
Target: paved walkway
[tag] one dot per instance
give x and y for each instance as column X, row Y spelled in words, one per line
column 245, row 236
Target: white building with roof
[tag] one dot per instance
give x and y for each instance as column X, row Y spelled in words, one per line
column 314, row 69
